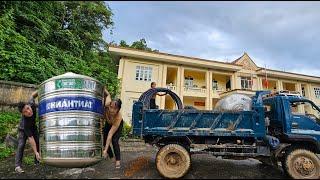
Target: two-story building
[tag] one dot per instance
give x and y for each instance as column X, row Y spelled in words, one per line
column 200, row 82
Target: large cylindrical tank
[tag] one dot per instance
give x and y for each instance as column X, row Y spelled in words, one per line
column 234, row 103
column 70, row 109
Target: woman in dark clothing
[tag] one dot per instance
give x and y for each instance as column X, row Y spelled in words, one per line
column 113, row 127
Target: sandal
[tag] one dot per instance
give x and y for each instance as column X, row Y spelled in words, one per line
column 118, row 166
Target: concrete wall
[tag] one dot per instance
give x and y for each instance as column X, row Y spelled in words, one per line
column 11, row 93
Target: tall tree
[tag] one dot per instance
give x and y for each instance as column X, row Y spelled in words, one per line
column 39, row 40
column 140, row 44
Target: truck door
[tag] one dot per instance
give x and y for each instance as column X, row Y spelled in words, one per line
column 304, row 118
column 274, row 123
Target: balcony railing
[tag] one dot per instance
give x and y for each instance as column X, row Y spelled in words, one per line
column 221, row 90
column 171, row 87
column 217, row 91
column 195, row 89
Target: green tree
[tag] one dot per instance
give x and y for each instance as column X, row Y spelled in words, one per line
column 123, row 44
column 39, row 40
column 140, row 44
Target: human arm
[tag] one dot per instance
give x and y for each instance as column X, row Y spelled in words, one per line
column 33, row 96
column 112, row 131
column 158, row 94
column 34, row 147
column 28, row 132
column 107, row 97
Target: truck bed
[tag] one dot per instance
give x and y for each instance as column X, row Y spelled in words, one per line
column 189, row 122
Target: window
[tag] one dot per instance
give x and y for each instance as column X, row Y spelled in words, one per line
column 268, row 110
column 188, row 81
column 303, row 92
column 215, row 85
column 309, row 110
column 317, row 92
column 143, row 73
column 246, row 83
column 228, row 85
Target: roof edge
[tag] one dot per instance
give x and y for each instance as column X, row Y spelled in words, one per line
column 174, row 55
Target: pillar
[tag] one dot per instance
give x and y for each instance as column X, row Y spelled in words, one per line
column 181, row 83
column 208, row 92
column 163, row 81
column 279, row 85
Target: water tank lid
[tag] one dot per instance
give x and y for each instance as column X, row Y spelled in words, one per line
column 69, row 75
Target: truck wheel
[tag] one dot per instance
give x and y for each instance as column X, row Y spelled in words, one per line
column 173, row 161
column 302, row 164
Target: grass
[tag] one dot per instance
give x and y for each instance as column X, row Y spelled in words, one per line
column 8, row 121
column 5, row 151
column 28, row 160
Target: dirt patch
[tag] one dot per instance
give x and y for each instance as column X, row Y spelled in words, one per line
column 136, row 165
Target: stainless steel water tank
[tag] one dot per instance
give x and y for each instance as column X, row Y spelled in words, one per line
column 234, row 103
column 70, row 108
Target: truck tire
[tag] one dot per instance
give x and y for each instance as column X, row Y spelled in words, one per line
column 302, row 164
column 173, row 161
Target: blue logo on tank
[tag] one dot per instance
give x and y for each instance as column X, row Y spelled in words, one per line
column 69, row 103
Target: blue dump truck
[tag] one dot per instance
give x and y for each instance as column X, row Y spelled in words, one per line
column 271, row 132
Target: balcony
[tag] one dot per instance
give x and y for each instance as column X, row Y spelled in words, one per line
column 171, row 80
column 194, row 83
column 172, row 87
column 216, row 92
column 220, row 84
column 194, row 91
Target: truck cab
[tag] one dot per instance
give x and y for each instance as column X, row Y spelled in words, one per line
column 295, row 121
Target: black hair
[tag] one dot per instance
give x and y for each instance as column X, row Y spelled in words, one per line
column 21, row 106
column 118, row 103
column 152, row 83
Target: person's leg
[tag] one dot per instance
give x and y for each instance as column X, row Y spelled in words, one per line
column 106, row 130
column 115, row 144
column 22, row 138
column 36, row 139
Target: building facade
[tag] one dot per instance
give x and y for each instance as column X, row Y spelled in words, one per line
column 199, row 82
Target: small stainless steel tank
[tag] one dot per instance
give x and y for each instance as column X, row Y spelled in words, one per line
column 70, row 109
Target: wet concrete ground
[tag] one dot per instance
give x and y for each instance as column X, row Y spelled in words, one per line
column 138, row 162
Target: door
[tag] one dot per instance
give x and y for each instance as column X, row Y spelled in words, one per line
column 304, row 118
column 131, row 101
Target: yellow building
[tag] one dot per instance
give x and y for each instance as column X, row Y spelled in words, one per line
column 199, row 82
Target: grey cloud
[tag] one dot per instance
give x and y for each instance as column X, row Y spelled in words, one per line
column 282, row 35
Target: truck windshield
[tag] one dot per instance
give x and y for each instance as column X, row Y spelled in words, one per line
column 307, row 109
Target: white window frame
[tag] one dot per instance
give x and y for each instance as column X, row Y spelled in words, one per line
column 317, row 92
column 188, row 81
column 215, row 85
column 246, row 83
column 143, row 73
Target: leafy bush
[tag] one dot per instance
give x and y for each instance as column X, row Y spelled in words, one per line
column 5, row 151
column 126, row 130
column 8, row 121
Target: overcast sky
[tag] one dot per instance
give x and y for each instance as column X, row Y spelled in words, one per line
column 280, row 35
